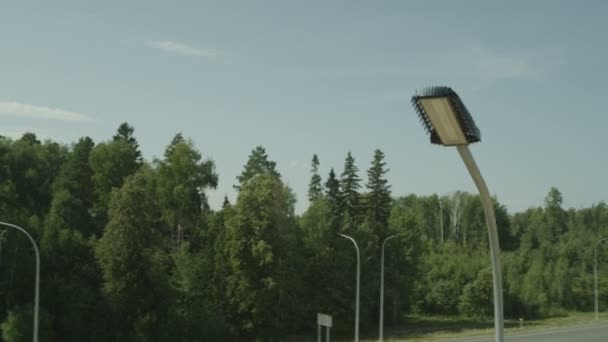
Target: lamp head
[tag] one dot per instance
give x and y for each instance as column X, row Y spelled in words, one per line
column 445, row 117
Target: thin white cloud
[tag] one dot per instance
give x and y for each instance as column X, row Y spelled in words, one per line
column 24, row 110
column 482, row 63
column 181, row 49
column 469, row 62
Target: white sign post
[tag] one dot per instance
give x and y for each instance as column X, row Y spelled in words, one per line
column 323, row 321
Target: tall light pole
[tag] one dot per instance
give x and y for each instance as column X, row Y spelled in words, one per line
column 382, row 288
column 449, row 123
column 597, row 311
column 37, row 286
column 358, row 278
column 1, row 240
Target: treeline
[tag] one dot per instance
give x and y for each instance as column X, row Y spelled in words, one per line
column 131, row 250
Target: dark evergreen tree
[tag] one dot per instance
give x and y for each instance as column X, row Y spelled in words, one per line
column 258, row 163
column 315, row 190
column 378, row 199
column 349, row 189
column 125, row 132
column 334, row 199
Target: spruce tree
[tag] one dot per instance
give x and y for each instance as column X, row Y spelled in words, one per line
column 314, row 189
column 349, row 188
column 125, row 133
column 257, row 164
column 332, row 193
column 378, row 203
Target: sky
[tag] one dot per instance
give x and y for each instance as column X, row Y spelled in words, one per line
column 324, row 77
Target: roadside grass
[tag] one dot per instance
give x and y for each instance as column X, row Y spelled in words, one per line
column 440, row 328
column 445, row 328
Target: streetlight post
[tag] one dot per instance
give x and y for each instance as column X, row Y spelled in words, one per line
column 357, row 291
column 382, row 288
column 597, row 306
column 37, row 286
column 449, row 123
column 1, row 240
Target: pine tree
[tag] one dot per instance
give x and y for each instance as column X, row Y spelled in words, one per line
column 334, row 198
column 349, row 189
column 379, row 198
column 125, row 133
column 314, row 189
column 257, row 164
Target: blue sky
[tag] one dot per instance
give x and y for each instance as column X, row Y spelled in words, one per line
column 323, row 77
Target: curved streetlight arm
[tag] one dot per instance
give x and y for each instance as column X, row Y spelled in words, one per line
column 37, row 286
column 358, row 281
column 597, row 306
column 488, row 208
column 390, row 237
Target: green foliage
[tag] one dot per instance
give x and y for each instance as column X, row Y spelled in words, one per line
column 334, row 199
column 260, row 239
column 131, row 251
column 18, row 325
column 349, row 191
column 29, row 167
column 132, row 261
column 315, row 191
column 257, row 164
column 477, row 296
column 125, row 133
column 111, row 163
column 182, row 180
column 378, row 200
column 73, row 195
column 71, row 279
column 194, row 301
column 447, row 270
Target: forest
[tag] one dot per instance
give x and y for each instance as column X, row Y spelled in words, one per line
column 131, row 250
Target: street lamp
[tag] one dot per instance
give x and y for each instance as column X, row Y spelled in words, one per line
column 37, row 286
column 357, row 294
column 382, row 287
column 449, row 123
column 597, row 314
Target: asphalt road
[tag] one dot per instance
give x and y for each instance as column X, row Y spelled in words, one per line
column 576, row 334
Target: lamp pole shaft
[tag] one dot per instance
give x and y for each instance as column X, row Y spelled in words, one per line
column 358, row 282
column 488, row 208
column 37, row 285
column 381, row 334
column 381, row 324
column 597, row 305
column 1, row 240
column 597, row 315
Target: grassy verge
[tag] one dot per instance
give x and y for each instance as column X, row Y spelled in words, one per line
column 439, row 328
column 446, row 328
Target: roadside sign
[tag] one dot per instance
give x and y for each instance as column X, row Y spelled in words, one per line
column 324, row 320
